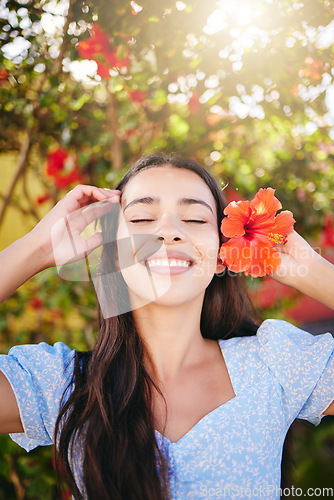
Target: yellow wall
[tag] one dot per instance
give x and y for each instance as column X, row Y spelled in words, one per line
column 15, row 224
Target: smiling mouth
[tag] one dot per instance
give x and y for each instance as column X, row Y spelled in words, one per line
column 167, row 263
column 167, row 266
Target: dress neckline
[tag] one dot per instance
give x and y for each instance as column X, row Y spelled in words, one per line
column 222, row 344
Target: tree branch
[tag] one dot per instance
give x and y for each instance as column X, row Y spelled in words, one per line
column 19, row 490
column 116, row 145
column 59, row 60
column 21, row 166
column 17, row 206
column 10, row 140
column 27, row 143
column 27, row 195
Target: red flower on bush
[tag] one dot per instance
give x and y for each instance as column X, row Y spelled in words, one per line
column 294, row 89
column 254, row 231
column 43, row 198
column 3, row 74
column 328, row 233
column 194, row 103
column 137, row 96
column 99, row 49
column 36, row 302
column 312, row 69
column 63, row 167
column 56, row 161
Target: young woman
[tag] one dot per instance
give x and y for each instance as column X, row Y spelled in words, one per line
column 185, row 395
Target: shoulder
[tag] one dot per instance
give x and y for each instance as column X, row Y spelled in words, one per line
column 282, row 350
column 40, row 375
column 281, row 344
column 276, row 333
column 42, row 352
column 273, row 325
column 59, row 349
column 41, row 363
column 281, row 339
column 295, row 358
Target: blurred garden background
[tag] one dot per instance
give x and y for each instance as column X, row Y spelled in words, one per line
column 245, row 87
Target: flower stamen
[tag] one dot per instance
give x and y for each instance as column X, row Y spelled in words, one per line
column 277, row 238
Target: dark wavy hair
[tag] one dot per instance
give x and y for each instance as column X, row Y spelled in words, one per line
column 110, row 406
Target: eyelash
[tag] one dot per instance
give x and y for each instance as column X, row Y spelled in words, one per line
column 151, row 220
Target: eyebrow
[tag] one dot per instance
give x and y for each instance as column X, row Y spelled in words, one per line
column 149, row 200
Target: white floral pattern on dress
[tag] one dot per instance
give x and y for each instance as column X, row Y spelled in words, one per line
column 235, row 451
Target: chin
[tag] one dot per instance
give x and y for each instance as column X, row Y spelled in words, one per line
column 163, row 290
column 171, row 299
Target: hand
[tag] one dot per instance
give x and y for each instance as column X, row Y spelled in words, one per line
column 297, row 259
column 58, row 234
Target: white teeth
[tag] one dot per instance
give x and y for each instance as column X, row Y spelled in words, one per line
column 168, row 263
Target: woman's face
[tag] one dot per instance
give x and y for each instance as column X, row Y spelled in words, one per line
column 171, row 214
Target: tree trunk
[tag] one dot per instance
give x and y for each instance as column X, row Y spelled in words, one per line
column 116, row 145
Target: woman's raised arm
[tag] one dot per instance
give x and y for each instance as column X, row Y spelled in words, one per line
column 304, row 269
column 308, row 272
column 49, row 244
column 55, row 240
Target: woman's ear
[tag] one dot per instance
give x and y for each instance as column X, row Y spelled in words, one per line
column 220, row 267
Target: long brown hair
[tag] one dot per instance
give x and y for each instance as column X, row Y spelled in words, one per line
column 110, row 406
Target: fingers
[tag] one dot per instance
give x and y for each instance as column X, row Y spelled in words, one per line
column 84, row 216
column 83, row 195
column 97, row 210
column 92, row 192
column 93, row 242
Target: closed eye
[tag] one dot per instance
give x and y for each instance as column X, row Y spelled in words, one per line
column 151, row 220
column 142, row 220
column 198, row 221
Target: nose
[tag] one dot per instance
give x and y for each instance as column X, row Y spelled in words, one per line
column 169, row 230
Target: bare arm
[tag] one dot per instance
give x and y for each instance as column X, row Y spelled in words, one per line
column 36, row 252
column 304, row 269
column 19, row 262
column 308, row 272
column 330, row 409
column 10, row 420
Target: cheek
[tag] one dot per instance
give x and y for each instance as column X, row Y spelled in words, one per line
column 208, row 249
column 209, row 246
column 135, row 244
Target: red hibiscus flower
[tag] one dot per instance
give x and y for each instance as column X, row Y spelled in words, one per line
column 66, row 180
column 99, row 49
column 56, row 161
column 254, row 230
column 63, row 167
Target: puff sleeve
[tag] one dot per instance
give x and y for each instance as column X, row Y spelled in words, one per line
column 303, row 365
column 39, row 375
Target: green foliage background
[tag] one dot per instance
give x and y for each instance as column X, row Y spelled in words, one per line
column 248, row 96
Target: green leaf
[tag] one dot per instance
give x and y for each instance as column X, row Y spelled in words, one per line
column 80, row 102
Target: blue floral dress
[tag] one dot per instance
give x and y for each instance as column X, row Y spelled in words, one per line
column 235, row 451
